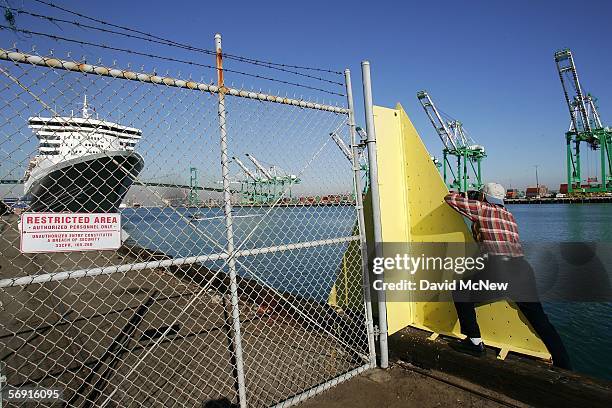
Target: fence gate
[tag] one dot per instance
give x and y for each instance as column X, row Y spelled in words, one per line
column 238, row 275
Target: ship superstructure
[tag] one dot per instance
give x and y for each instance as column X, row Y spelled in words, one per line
column 84, row 164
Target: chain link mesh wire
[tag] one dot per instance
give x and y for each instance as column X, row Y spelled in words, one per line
column 151, row 323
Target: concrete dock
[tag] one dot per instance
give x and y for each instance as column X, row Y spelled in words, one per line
column 399, row 387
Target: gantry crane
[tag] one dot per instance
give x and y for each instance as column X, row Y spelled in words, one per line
column 585, row 126
column 361, row 161
column 249, row 185
column 261, row 168
column 264, row 187
column 194, row 198
column 245, row 169
column 457, row 143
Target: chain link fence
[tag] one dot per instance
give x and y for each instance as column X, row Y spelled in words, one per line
column 238, row 280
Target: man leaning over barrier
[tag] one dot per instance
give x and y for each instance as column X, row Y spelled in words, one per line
column 496, row 232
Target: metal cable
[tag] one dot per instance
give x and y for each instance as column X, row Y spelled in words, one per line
column 182, row 45
column 166, row 42
column 108, row 47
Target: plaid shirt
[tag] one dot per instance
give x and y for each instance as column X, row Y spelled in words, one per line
column 494, row 227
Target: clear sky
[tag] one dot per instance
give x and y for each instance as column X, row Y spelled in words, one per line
column 488, row 63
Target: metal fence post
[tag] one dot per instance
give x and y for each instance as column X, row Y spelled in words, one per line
column 360, row 218
column 227, row 210
column 373, row 170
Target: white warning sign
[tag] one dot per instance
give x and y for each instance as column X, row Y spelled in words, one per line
column 63, row 232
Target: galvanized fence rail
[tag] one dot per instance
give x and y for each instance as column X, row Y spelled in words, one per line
column 235, row 285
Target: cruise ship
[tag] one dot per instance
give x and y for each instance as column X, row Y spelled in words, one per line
column 83, row 164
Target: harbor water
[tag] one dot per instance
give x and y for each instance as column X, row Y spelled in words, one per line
column 584, row 327
column 182, row 232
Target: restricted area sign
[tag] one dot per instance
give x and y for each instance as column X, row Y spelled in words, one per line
column 63, row 232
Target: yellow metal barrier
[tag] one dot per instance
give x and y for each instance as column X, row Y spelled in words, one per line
column 413, row 210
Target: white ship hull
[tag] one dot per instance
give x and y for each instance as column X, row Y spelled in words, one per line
column 91, row 183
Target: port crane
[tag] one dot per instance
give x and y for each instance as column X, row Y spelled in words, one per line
column 245, row 169
column 261, row 168
column 585, row 126
column 342, row 146
column 265, row 185
column 361, row 161
column 249, row 185
column 194, row 198
column 458, row 144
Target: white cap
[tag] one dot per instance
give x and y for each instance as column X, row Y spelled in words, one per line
column 494, row 193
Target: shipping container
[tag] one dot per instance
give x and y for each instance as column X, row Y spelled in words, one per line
column 536, row 192
column 512, row 193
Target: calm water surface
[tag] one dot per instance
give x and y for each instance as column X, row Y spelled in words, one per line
column 586, row 328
